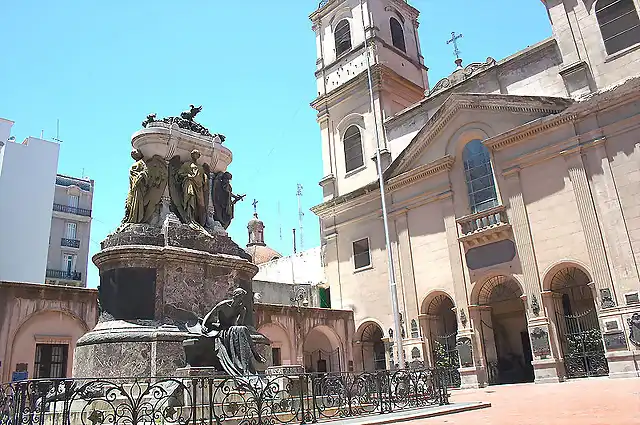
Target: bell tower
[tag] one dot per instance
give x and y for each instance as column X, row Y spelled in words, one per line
column 399, row 79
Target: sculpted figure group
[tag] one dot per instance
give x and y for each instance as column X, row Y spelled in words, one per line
column 191, row 184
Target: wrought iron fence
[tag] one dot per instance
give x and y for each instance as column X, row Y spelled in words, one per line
column 270, row 399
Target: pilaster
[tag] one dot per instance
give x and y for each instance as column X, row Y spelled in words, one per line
column 407, row 277
column 522, row 235
column 332, row 269
column 455, row 260
column 591, row 229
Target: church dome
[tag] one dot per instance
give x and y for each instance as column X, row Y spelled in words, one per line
column 259, row 251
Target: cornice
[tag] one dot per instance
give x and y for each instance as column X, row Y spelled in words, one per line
column 457, row 102
column 421, row 172
column 525, row 131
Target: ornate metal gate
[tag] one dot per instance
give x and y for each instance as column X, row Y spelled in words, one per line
column 445, row 356
column 582, row 344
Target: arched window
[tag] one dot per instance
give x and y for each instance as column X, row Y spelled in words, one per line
column 353, row 157
column 479, row 177
column 619, row 24
column 342, row 37
column 397, row 34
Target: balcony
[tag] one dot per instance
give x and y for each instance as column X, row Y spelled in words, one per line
column 484, row 227
column 64, row 275
column 71, row 243
column 71, row 210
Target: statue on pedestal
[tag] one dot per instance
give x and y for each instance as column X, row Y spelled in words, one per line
column 147, row 180
column 189, row 190
column 224, row 340
column 223, row 198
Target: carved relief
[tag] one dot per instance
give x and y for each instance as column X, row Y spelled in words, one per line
column 465, row 351
column 540, row 342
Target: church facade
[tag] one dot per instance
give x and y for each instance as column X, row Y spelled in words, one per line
column 511, row 189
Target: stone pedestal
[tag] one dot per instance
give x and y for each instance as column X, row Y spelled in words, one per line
column 152, row 283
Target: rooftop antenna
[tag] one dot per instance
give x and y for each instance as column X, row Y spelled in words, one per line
column 300, row 215
column 294, row 241
column 279, row 220
column 57, row 138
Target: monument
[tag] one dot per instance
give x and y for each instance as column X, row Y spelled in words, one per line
column 171, row 261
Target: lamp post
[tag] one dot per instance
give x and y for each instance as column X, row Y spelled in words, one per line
column 391, row 269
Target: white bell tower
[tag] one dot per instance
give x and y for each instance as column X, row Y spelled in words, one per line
column 343, row 104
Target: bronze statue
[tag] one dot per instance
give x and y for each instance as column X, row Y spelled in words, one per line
column 150, row 118
column 223, row 198
column 147, row 180
column 191, row 113
column 224, row 340
column 189, row 189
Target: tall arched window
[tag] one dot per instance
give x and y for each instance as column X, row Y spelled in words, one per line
column 353, row 156
column 342, row 37
column 479, row 176
column 397, row 34
column 619, row 24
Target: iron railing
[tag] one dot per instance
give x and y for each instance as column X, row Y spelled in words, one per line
column 71, row 243
column 270, row 399
column 63, row 274
column 72, row 210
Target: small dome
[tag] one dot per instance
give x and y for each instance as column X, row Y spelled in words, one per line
column 262, row 253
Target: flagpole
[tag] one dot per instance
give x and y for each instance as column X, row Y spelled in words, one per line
column 391, row 268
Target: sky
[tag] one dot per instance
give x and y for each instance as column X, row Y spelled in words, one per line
column 101, row 67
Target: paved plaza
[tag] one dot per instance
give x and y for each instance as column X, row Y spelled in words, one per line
column 596, row 401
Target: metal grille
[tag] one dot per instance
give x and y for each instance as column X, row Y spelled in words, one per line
column 499, row 289
column 445, row 355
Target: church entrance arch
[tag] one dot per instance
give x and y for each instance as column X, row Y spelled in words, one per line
column 503, row 329
column 443, row 330
column 577, row 324
column 371, row 347
column 322, row 351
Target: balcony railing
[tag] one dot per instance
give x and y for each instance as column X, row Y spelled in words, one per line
column 71, row 243
column 485, row 226
column 63, row 274
column 71, row 210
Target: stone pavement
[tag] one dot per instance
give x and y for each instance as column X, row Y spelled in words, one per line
column 595, row 401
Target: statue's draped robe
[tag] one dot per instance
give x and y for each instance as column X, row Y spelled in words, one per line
column 138, row 175
column 222, row 200
column 234, row 347
column 194, row 182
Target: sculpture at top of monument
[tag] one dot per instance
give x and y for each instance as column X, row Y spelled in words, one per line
column 223, row 339
column 191, row 113
column 189, row 190
column 147, row 180
column 224, row 199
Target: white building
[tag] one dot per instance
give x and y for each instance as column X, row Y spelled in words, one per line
column 27, row 186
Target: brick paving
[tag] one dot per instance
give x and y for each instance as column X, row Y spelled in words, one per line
column 595, row 401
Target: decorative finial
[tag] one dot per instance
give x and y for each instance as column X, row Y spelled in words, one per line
column 255, row 207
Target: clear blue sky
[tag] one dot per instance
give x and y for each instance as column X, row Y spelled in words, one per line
column 101, row 67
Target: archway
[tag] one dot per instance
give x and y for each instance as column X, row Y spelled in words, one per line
column 442, row 329
column 279, row 353
column 503, row 329
column 43, row 345
column 372, row 354
column 322, row 351
column 577, row 324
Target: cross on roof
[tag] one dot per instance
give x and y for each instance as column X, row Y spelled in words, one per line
column 255, row 206
column 454, row 39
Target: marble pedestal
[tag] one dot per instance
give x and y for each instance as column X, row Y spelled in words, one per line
column 154, row 281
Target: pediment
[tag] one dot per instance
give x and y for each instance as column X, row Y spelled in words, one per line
column 485, row 114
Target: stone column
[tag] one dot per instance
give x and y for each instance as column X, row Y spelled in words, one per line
column 524, row 244
column 591, row 229
column 473, row 371
column 405, row 271
column 427, row 344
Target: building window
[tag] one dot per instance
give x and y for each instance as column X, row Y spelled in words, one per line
column 68, row 263
column 619, row 24
column 479, row 176
column 71, row 231
column 397, row 34
column 361, row 256
column 342, row 37
column 325, row 297
column 276, row 356
column 353, row 156
column 74, row 201
column 51, row 361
